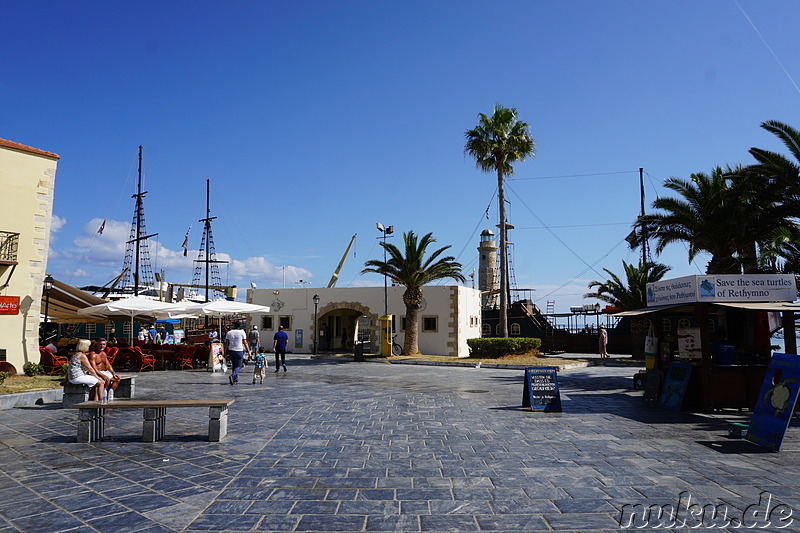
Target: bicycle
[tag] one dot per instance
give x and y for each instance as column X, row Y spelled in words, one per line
column 396, row 348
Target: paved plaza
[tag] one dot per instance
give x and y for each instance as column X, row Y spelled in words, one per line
column 343, row 446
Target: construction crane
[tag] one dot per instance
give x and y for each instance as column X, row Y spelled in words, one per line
column 110, row 286
column 335, row 277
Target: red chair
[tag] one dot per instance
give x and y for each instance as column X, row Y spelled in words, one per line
column 111, row 354
column 141, row 361
column 182, row 358
column 50, row 361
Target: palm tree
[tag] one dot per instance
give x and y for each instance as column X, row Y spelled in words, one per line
column 628, row 294
column 781, row 175
column 414, row 270
column 495, row 143
column 707, row 217
column 777, row 178
column 632, row 292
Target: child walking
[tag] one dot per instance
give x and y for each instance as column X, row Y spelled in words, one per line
column 260, row 363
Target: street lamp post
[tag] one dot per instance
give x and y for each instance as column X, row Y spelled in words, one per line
column 43, row 328
column 48, row 285
column 316, row 329
column 386, row 232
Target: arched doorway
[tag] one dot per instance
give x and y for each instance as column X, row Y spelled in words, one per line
column 340, row 327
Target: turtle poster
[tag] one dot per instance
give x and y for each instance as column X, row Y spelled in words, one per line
column 776, row 401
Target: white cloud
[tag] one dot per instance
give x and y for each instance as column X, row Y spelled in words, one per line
column 81, row 273
column 56, row 223
column 108, row 250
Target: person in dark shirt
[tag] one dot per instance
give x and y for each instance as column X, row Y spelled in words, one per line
column 279, row 342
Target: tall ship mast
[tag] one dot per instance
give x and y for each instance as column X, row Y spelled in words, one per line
column 207, row 256
column 137, row 271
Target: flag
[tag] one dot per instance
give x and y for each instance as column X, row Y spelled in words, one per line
column 102, row 227
column 185, row 244
column 631, row 238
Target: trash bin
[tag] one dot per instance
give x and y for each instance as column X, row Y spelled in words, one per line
column 358, row 352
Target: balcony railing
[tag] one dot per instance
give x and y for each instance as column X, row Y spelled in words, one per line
column 9, row 244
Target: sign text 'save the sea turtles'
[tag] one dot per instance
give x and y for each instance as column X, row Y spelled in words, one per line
column 722, row 288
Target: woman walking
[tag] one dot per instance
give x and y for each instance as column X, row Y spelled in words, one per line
column 603, row 342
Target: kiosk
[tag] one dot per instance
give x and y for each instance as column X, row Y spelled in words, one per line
column 721, row 325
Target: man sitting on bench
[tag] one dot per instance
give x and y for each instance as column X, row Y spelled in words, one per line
column 98, row 357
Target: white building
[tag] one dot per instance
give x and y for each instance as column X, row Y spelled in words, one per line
column 449, row 316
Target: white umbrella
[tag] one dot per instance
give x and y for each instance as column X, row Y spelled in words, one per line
column 222, row 308
column 130, row 308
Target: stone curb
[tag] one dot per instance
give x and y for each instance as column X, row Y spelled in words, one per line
column 567, row 366
column 39, row 397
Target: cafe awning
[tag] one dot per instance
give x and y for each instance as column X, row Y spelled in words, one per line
column 64, row 301
column 752, row 306
column 646, row 310
column 763, row 306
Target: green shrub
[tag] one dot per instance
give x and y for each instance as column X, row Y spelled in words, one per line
column 493, row 347
column 64, row 369
column 3, row 376
column 32, row 369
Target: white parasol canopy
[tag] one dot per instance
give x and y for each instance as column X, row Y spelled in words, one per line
column 131, row 308
column 221, row 308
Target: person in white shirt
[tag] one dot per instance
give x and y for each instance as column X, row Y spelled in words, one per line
column 236, row 342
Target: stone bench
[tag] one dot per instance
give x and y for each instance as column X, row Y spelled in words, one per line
column 91, row 417
column 75, row 394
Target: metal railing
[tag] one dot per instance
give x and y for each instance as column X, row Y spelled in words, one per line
column 9, row 245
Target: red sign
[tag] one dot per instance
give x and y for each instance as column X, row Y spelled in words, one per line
column 9, row 305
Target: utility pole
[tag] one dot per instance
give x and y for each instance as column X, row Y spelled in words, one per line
column 645, row 251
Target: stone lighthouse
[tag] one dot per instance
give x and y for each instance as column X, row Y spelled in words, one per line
column 487, row 269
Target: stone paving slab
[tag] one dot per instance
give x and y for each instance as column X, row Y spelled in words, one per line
column 343, row 446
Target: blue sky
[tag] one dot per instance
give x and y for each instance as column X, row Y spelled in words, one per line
column 314, row 120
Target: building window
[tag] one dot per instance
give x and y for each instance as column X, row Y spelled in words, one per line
column 430, row 323
column 684, row 323
column 497, row 330
column 126, row 329
column 486, row 330
column 403, row 324
column 712, row 325
column 666, row 325
column 266, row 322
column 91, row 329
column 515, row 330
column 285, row 321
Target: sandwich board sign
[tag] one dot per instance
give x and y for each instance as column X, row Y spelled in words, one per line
column 675, row 384
column 541, row 389
column 776, row 401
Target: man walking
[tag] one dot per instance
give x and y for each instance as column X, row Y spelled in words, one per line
column 237, row 345
column 254, row 339
column 279, row 342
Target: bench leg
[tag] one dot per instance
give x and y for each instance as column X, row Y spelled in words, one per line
column 91, row 424
column 217, row 423
column 153, row 424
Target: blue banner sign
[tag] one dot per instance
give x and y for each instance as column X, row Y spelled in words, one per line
column 776, row 401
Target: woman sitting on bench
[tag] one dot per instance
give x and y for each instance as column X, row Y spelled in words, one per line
column 82, row 372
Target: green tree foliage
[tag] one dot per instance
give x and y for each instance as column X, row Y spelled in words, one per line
column 414, row 268
column 630, row 293
column 745, row 217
